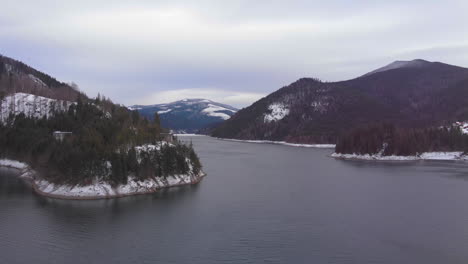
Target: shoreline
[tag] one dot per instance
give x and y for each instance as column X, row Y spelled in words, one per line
column 284, row 143
column 425, row 156
column 100, row 190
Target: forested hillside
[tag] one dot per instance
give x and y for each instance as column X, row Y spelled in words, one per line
column 107, row 142
column 388, row 140
column 103, row 141
column 409, row 94
column 188, row 115
column 17, row 77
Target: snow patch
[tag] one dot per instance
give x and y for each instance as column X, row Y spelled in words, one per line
column 463, row 126
column 455, row 155
column 278, row 112
column 8, row 67
column 37, row 80
column 213, row 110
column 164, row 111
column 31, row 105
column 320, row 106
column 12, row 164
column 132, row 108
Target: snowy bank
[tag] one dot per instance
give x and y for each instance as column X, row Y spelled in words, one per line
column 13, row 164
column 327, row 146
column 189, row 135
column 456, row 155
column 99, row 189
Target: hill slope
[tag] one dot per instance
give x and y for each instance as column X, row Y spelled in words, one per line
column 106, row 150
column 17, row 77
column 188, row 115
column 413, row 93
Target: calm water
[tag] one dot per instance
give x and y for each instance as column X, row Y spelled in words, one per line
column 259, row 204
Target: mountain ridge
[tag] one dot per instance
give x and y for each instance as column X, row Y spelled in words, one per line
column 188, row 115
column 17, row 77
column 416, row 63
column 318, row 112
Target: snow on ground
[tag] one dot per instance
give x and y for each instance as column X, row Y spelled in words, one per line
column 222, row 115
column 12, row 164
column 463, row 126
column 36, row 80
column 131, row 108
column 213, row 110
column 164, row 111
column 372, row 157
column 455, row 155
column 8, row 67
column 31, row 105
column 282, row 143
column 99, row 189
column 278, row 112
column 441, row 155
column 189, row 135
column 320, row 106
column 105, row 190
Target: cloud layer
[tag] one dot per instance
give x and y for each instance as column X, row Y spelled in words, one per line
column 157, row 51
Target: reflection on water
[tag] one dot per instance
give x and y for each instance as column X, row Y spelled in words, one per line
column 11, row 185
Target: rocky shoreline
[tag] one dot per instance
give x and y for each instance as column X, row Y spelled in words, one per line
column 98, row 190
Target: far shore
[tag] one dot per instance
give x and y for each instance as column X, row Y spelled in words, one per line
column 426, row 156
column 324, row 146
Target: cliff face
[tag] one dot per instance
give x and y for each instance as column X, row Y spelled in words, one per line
column 416, row 93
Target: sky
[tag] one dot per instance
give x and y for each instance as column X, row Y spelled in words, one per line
column 234, row 52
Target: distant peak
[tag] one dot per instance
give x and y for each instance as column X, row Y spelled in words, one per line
column 411, row 63
column 417, row 63
column 193, row 100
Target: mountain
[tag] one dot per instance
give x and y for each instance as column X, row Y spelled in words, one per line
column 188, row 115
column 75, row 147
column 26, row 90
column 17, row 77
column 414, row 93
column 401, row 64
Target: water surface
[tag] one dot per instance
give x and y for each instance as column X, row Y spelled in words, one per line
column 260, row 203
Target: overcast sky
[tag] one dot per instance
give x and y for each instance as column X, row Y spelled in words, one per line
column 235, row 52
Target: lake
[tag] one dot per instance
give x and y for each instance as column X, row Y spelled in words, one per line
column 260, row 203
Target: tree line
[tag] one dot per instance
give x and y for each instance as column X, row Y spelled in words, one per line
column 389, row 139
column 17, row 77
column 102, row 146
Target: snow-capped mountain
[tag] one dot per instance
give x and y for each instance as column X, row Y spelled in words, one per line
column 188, row 115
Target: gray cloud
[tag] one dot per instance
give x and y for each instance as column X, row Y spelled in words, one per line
column 132, row 51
